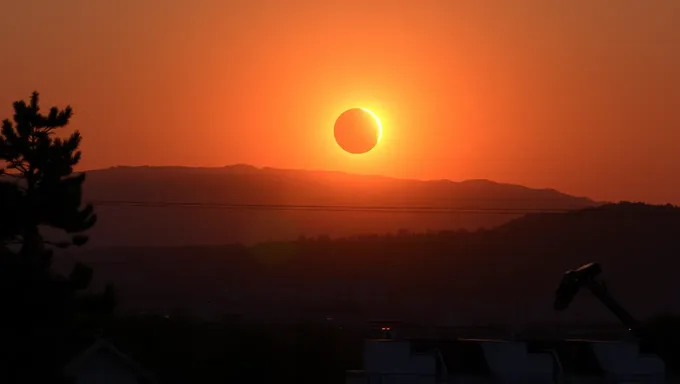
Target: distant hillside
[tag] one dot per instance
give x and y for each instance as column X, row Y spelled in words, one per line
column 243, row 184
column 507, row 274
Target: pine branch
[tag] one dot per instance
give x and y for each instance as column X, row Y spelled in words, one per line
column 14, row 175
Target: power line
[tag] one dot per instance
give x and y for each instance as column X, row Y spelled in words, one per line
column 326, row 208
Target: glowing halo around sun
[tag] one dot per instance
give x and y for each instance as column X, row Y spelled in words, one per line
column 377, row 121
column 357, row 130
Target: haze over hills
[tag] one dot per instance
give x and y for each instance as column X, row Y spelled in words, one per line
column 173, row 225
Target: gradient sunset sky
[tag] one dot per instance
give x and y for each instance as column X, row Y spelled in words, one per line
column 582, row 96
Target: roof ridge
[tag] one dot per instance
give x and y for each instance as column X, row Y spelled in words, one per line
column 99, row 344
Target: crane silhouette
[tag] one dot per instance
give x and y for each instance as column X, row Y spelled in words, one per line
column 587, row 276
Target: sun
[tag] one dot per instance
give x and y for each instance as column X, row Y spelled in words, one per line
column 357, row 130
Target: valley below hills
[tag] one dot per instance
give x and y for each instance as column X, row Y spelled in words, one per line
column 505, row 275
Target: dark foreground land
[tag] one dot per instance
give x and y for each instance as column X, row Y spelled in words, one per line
column 319, row 291
column 180, row 350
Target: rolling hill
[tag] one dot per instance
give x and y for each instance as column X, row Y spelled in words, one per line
column 207, row 221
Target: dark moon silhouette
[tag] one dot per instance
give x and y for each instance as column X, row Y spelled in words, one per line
column 357, row 131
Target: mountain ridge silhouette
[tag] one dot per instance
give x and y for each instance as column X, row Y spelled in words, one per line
column 247, row 168
column 248, row 185
column 328, row 175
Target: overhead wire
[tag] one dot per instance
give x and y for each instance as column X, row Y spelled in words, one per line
column 326, row 208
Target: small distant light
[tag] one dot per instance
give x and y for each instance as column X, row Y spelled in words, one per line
column 387, row 328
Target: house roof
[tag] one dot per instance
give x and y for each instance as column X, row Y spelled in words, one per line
column 466, row 356
column 459, row 356
column 576, row 356
column 99, row 345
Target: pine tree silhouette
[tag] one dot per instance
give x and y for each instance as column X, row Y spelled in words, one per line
column 43, row 312
column 42, row 165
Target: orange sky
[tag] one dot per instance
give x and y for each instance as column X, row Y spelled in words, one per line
column 582, row 96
